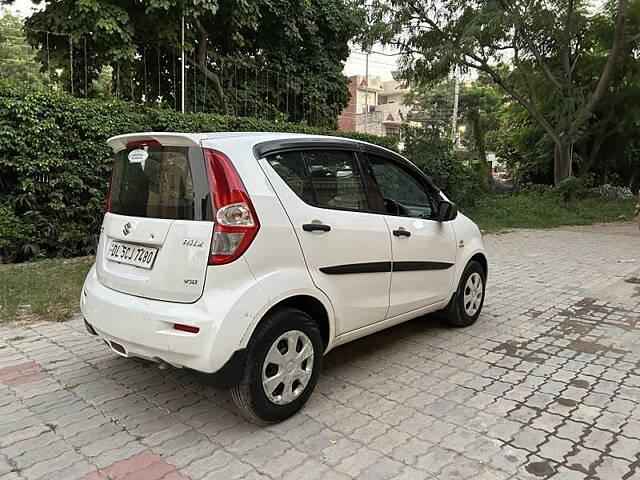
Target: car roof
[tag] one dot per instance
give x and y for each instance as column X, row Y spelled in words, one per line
column 250, row 139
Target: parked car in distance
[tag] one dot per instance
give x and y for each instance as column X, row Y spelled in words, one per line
column 248, row 256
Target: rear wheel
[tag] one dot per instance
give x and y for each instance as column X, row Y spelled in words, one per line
column 284, row 357
column 466, row 304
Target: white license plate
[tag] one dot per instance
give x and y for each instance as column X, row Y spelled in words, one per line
column 131, row 254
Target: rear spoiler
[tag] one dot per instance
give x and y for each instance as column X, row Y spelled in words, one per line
column 165, row 138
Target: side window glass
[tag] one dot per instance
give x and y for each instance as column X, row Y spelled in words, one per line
column 291, row 168
column 402, row 193
column 336, row 179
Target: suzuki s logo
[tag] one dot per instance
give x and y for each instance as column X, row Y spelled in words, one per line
column 128, row 228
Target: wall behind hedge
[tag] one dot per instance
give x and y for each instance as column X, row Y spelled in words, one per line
column 55, row 164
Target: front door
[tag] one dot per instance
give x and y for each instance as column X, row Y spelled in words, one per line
column 346, row 246
column 423, row 249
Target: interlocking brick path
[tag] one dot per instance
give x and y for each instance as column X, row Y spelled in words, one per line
column 546, row 384
column 21, row 373
column 147, row 465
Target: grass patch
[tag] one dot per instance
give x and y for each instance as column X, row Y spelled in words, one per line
column 46, row 289
column 548, row 211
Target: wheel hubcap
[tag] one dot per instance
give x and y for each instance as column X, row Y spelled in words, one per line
column 287, row 367
column 472, row 297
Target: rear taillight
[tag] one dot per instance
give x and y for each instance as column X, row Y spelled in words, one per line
column 236, row 222
column 107, row 202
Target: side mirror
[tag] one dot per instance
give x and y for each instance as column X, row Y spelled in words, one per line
column 447, row 211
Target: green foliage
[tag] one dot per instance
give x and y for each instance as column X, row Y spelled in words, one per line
column 462, row 182
column 241, row 56
column 17, row 57
column 479, row 106
column 572, row 66
column 478, row 112
column 55, row 163
column 13, row 232
column 606, row 145
column 572, row 188
column 544, row 207
column 536, row 189
column 523, row 146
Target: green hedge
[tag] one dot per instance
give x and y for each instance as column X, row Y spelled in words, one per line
column 463, row 181
column 55, row 163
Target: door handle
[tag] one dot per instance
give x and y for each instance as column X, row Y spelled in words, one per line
column 316, row 227
column 402, row 233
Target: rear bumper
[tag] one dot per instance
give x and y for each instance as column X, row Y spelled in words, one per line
column 228, row 376
column 144, row 328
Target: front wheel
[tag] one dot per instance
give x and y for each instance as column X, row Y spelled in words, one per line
column 465, row 305
column 284, row 357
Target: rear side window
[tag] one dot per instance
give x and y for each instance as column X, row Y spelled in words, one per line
column 160, row 182
column 291, row 168
column 325, row 178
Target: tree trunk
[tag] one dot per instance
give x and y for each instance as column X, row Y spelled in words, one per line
column 596, row 146
column 200, row 63
column 561, row 161
column 217, row 88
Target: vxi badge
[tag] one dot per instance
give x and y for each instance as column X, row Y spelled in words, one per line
column 128, row 228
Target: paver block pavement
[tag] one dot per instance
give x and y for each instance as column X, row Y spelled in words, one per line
column 545, row 385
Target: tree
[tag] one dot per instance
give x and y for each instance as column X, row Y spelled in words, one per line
column 479, row 105
column 531, row 49
column 604, row 147
column 432, row 152
column 228, row 44
column 17, row 57
column 478, row 110
column 434, row 105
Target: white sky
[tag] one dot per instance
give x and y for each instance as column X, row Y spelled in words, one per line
column 381, row 65
column 22, row 7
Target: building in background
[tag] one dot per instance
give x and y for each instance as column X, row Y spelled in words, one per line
column 374, row 107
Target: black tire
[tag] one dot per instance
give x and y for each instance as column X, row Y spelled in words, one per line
column 455, row 312
column 249, row 396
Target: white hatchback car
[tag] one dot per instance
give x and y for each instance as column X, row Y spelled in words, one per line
column 249, row 256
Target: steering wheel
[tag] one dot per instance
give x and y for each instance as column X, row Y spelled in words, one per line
column 395, row 208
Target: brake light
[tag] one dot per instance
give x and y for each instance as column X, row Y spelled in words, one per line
column 107, row 202
column 236, row 222
column 143, row 143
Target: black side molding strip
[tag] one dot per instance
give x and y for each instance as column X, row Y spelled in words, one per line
column 370, row 267
column 381, row 267
column 412, row 266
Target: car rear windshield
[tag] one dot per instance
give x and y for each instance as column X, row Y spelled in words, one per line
column 160, row 182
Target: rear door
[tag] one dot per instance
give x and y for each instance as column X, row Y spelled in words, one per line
column 345, row 244
column 423, row 249
column 157, row 231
